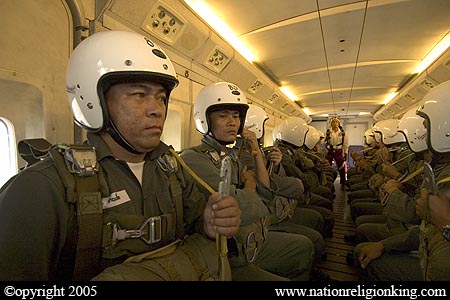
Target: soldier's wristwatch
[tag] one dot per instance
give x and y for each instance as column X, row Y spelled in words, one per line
column 446, row 232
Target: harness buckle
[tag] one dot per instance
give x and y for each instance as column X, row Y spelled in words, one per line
column 80, row 161
column 154, row 232
column 150, row 232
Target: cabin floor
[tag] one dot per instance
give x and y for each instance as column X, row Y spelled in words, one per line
column 336, row 248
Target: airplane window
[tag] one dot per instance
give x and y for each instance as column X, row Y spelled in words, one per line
column 172, row 129
column 8, row 151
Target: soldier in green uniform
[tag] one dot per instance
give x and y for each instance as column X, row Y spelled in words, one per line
column 287, row 191
column 387, row 260
column 142, row 203
column 397, row 159
column 398, row 202
column 258, row 254
column 290, row 136
column 399, row 211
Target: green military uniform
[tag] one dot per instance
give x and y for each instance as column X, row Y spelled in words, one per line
column 288, row 255
column 285, row 215
column 434, row 251
column 359, row 183
column 310, row 182
column 397, row 263
column 307, row 165
column 369, row 204
column 357, row 176
column 34, row 248
column 326, row 174
column 314, row 201
column 399, row 211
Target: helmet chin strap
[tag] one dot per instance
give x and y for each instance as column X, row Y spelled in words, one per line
column 115, row 134
column 220, row 142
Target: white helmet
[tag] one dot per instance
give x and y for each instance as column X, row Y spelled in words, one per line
column 436, row 112
column 411, row 125
column 107, row 58
column 255, row 119
column 368, row 136
column 218, row 96
column 388, row 131
column 312, row 137
column 292, row 130
column 376, row 134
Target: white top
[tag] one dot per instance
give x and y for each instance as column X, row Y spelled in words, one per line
column 336, row 139
column 137, row 169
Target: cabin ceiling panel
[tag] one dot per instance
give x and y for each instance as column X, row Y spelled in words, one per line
column 311, row 55
column 306, row 83
column 387, row 67
column 238, row 73
column 363, row 50
column 129, row 12
column 284, row 51
column 341, row 79
column 323, row 4
column 191, row 35
column 441, row 73
column 404, row 25
column 323, row 98
column 417, row 92
column 248, row 16
column 369, row 94
column 342, row 33
column 261, row 89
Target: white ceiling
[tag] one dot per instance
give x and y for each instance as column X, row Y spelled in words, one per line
column 338, row 57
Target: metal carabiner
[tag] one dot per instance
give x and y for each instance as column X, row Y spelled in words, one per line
column 255, row 250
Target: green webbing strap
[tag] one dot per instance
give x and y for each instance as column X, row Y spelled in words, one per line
column 177, row 195
column 66, row 177
column 444, row 180
column 221, row 240
column 403, row 158
column 196, row 177
column 84, row 199
column 90, row 223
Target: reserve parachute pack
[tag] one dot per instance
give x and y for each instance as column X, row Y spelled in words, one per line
column 187, row 258
column 246, row 244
